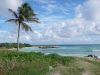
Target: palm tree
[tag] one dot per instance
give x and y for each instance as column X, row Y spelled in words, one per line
column 23, row 15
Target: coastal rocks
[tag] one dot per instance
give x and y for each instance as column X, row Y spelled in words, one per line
column 92, row 56
column 45, row 47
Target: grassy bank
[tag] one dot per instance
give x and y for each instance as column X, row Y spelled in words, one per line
column 21, row 63
column 13, row 45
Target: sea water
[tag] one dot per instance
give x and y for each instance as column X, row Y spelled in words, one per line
column 68, row 50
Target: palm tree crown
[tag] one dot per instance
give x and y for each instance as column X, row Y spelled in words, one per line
column 25, row 14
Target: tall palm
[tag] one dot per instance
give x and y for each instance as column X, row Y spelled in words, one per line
column 23, row 15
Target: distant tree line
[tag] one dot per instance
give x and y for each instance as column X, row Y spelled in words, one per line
column 14, row 45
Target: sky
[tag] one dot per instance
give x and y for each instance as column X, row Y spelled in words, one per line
column 62, row 22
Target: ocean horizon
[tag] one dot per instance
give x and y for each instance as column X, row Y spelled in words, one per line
column 67, row 50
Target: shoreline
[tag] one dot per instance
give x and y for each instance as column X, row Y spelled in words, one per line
column 46, row 53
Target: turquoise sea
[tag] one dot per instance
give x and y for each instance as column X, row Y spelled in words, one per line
column 68, row 50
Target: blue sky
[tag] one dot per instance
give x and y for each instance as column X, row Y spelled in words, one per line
column 62, row 22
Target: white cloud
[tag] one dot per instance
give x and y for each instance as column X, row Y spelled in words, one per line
column 12, row 37
column 12, row 4
column 9, row 36
column 86, row 23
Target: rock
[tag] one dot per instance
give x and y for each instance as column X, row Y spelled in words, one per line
column 93, row 56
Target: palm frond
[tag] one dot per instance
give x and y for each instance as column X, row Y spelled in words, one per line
column 26, row 27
column 13, row 12
column 36, row 20
column 13, row 20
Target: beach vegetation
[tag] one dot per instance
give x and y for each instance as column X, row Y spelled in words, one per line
column 31, row 63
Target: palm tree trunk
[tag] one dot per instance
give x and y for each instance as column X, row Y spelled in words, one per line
column 18, row 37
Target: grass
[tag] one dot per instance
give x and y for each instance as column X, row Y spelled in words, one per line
column 22, row 63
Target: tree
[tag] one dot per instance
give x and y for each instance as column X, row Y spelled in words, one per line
column 23, row 15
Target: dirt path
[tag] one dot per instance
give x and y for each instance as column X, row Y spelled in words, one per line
column 55, row 73
column 86, row 73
